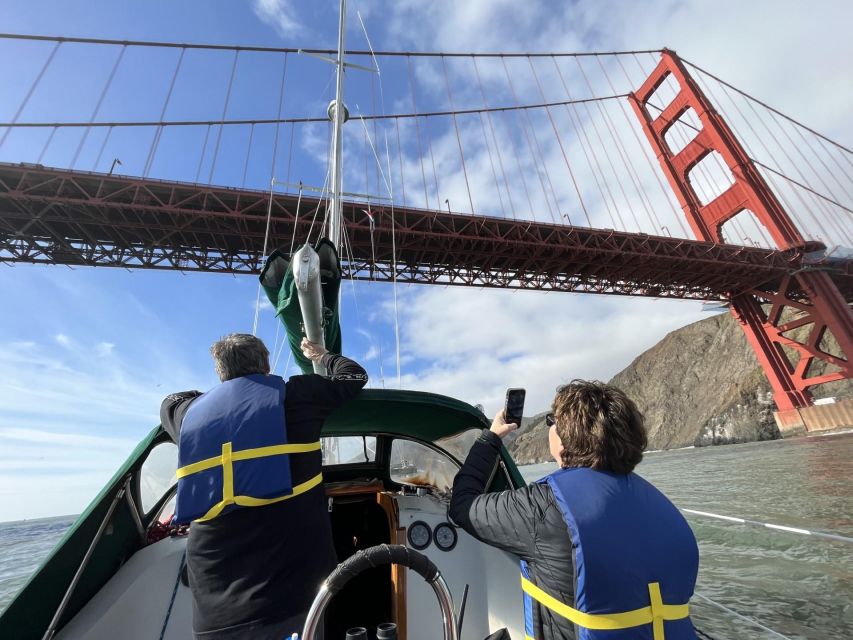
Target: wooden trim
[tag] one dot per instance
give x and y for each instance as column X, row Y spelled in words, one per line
column 398, row 573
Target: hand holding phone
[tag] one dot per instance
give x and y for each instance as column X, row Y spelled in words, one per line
column 511, row 413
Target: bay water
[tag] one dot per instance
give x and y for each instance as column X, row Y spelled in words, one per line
column 799, row 586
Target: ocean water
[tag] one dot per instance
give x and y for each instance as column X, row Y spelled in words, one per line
column 23, row 546
column 798, row 586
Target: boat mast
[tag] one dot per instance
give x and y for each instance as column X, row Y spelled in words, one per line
column 337, row 112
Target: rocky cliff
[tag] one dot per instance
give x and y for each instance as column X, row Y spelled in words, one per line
column 700, row 385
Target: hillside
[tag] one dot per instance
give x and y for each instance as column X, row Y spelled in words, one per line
column 700, row 385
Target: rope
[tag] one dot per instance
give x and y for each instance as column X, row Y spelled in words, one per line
column 263, row 259
column 296, row 219
column 768, row 525
column 741, row 617
column 174, row 594
column 355, row 52
column 225, row 123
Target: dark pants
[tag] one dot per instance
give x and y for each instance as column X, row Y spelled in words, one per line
column 261, row 630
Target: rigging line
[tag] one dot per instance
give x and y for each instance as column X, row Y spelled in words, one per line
column 319, row 202
column 766, row 106
column 248, row 153
column 492, row 164
column 646, row 149
column 394, row 266
column 300, row 120
column 768, row 525
column 458, row 140
column 296, row 220
column 224, row 111
column 574, row 118
column 158, row 133
column 263, row 259
column 98, row 105
column 31, row 90
column 529, row 146
column 623, row 152
column 562, row 149
column 495, row 141
column 278, row 124
column 355, row 52
column 277, row 347
column 203, row 152
column 101, row 150
column 740, row 616
column 417, row 130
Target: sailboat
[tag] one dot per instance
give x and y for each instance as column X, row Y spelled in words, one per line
column 120, row 569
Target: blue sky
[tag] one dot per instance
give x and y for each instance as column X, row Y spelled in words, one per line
column 86, row 355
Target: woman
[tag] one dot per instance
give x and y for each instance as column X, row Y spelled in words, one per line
column 605, row 555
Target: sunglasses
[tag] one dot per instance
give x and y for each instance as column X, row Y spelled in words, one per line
column 550, row 421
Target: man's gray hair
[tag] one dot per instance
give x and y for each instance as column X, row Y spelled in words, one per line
column 239, row 354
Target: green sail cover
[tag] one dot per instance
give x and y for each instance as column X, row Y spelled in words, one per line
column 280, row 286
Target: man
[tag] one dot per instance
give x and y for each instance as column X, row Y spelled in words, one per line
column 250, row 479
column 604, row 554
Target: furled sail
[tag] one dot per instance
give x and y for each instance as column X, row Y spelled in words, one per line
column 279, row 284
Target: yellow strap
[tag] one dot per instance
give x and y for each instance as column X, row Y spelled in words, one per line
column 248, row 501
column 657, row 610
column 227, row 474
column 610, row 621
column 247, row 454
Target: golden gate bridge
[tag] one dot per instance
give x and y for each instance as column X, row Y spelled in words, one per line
column 626, row 173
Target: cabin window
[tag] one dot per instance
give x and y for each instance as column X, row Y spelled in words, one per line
column 157, row 475
column 348, row 450
column 416, row 464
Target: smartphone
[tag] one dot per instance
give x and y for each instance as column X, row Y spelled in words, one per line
column 514, row 405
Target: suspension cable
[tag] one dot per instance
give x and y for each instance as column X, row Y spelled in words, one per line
column 355, row 52
column 32, row 90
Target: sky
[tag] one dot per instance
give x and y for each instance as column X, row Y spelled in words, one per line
column 86, row 355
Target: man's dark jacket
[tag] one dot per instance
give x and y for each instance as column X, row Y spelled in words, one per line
column 254, row 571
column 526, row 522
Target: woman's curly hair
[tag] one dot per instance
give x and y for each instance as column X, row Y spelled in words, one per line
column 600, row 427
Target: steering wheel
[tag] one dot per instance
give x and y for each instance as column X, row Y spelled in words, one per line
column 374, row 557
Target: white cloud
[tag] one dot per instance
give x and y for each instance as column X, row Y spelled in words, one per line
column 104, row 348
column 280, row 14
column 62, row 339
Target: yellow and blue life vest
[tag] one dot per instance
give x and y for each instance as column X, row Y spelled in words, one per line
column 635, row 559
column 233, row 450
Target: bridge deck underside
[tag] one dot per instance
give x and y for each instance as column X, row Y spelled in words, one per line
column 67, row 217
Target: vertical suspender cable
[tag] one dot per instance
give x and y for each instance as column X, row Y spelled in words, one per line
column 46, row 145
column 203, row 152
column 224, row 112
column 667, row 195
column 495, row 140
column 31, row 90
column 589, row 154
column 101, row 150
column 248, row 153
column 560, row 142
column 400, row 157
column 458, row 138
column 486, row 141
column 620, row 147
column 417, row 130
column 98, row 105
column 159, row 132
column 277, row 125
column 524, row 128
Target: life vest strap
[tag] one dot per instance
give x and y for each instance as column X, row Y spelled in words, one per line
column 654, row 614
column 249, row 501
column 246, row 454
